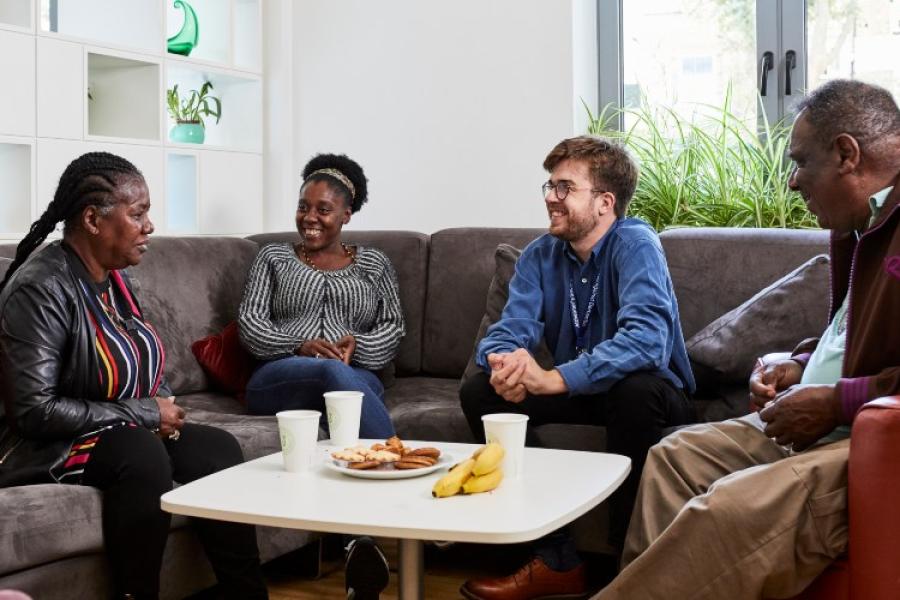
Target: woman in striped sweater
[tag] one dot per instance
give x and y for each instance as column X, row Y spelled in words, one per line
column 321, row 314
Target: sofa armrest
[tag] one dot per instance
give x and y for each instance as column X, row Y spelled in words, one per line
column 874, row 500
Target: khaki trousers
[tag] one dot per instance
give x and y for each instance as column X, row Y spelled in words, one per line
column 723, row 512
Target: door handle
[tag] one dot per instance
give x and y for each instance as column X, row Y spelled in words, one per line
column 790, row 61
column 765, row 65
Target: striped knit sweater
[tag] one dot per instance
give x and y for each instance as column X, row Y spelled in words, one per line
column 286, row 302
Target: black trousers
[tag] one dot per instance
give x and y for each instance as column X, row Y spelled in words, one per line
column 635, row 411
column 134, row 467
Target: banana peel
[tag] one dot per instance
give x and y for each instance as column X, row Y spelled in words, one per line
column 483, row 483
column 451, row 483
column 480, row 473
column 488, row 459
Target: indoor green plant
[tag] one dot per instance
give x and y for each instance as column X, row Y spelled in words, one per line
column 712, row 169
column 188, row 113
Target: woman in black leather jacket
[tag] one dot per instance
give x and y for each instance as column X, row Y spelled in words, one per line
column 85, row 399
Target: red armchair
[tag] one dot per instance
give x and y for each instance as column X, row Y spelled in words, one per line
column 870, row 570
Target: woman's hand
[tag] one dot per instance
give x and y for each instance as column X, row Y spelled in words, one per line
column 319, row 348
column 171, row 416
column 347, row 345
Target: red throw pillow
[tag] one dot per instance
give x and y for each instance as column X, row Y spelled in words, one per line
column 225, row 361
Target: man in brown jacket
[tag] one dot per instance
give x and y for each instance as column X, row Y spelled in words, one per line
column 757, row 506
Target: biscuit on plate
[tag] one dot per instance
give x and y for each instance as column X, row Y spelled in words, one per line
column 348, row 454
column 383, row 456
column 426, row 451
column 366, row 464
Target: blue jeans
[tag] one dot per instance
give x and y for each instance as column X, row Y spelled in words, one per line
column 299, row 382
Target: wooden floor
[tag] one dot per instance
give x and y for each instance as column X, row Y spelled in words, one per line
column 445, row 570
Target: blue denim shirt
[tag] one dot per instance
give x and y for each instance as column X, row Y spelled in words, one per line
column 634, row 325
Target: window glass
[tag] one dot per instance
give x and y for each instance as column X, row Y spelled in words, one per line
column 857, row 39
column 681, row 53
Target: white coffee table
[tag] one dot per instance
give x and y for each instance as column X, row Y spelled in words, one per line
column 556, row 487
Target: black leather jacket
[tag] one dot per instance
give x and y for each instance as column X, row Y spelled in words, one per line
column 48, row 371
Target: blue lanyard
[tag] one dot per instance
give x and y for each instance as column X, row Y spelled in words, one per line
column 581, row 328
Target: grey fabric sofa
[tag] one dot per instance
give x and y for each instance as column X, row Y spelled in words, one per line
column 50, row 536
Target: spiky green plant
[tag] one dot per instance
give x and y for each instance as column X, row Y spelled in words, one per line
column 194, row 106
column 711, row 169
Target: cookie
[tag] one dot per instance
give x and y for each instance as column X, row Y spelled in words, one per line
column 405, row 465
column 348, row 454
column 383, row 456
column 427, row 451
column 366, row 464
column 419, row 461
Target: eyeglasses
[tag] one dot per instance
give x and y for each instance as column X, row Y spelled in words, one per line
column 562, row 189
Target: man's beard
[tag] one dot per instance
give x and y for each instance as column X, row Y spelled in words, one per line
column 577, row 227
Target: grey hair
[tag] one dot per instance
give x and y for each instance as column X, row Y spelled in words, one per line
column 867, row 112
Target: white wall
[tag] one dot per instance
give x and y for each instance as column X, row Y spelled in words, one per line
column 449, row 105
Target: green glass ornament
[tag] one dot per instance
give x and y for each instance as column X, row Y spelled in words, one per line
column 185, row 40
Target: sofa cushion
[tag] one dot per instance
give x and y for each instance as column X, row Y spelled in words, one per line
column 776, row 318
column 427, row 408
column 257, row 435
column 408, row 252
column 460, row 267
column 225, row 361
column 42, row 523
column 47, row 522
column 188, row 289
column 505, row 259
column 4, row 265
column 740, row 262
column 214, row 402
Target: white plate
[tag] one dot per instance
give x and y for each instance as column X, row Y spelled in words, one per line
column 445, row 460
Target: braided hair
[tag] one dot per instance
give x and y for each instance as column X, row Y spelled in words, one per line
column 348, row 167
column 89, row 180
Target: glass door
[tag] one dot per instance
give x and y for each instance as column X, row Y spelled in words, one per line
column 763, row 54
column 689, row 54
column 855, row 39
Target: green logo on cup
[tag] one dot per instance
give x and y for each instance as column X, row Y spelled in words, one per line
column 334, row 420
column 287, row 441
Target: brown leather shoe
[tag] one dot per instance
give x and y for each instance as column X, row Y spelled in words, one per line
column 534, row 581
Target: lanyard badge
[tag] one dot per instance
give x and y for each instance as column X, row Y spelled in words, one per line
column 581, row 326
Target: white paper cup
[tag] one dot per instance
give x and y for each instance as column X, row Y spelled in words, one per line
column 344, row 409
column 508, row 430
column 299, row 431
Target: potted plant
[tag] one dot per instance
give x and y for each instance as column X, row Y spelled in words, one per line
column 709, row 169
column 189, row 111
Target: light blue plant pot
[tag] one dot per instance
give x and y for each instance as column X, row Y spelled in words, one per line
column 188, row 133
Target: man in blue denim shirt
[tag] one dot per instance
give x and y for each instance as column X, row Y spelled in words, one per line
column 597, row 290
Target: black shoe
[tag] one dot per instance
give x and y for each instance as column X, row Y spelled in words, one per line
column 366, row 573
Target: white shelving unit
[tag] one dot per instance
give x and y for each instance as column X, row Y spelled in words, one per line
column 86, row 75
column 181, row 183
column 122, row 97
column 238, row 129
column 16, row 185
column 17, row 101
column 134, row 24
column 16, row 15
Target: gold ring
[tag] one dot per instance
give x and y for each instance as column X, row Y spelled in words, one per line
column 175, row 435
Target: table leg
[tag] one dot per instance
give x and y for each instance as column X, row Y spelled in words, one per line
column 411, row 570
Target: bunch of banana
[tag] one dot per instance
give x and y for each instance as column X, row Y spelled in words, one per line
column 480, row 473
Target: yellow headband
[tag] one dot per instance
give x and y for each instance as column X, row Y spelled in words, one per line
column 337, row 175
